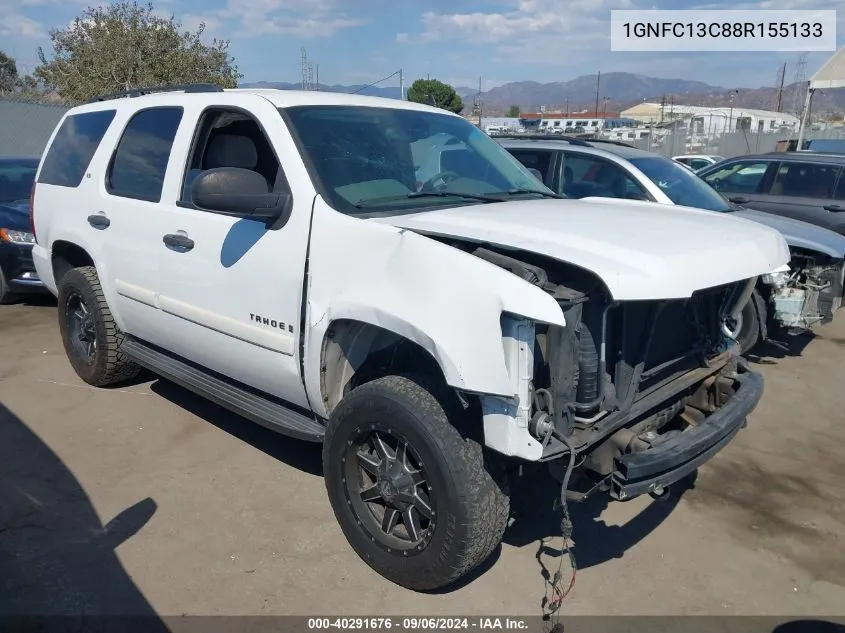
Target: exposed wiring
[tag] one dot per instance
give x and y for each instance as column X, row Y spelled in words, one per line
column 552, row 605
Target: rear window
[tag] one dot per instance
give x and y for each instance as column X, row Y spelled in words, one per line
column 73, row 148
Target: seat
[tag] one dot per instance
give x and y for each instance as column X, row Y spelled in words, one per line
column 224, row 150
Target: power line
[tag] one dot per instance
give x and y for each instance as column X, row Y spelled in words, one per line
column 354, row 92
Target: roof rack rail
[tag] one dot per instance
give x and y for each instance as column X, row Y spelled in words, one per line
column 544, row 137
column 138, row 92
column 611, row 142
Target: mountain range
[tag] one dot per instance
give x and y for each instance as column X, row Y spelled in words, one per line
column 622, row 90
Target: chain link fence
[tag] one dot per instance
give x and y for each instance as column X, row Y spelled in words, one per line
column 739, row 143
column 26, row 123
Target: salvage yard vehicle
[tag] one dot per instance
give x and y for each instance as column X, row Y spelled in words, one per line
column 17, row 273
column 275, row 252
column 806, row 294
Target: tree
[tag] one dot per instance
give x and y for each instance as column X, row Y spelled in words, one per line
column 436, row 93
column 126, row 45
column 9, row 78
column 513, row 112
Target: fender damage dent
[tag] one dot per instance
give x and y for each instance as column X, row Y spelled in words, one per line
column 447, row 302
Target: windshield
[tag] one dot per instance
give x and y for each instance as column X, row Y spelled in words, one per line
column 16, row 178
column 380, row 160
column 680, row 184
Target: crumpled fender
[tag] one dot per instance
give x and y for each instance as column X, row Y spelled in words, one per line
column 445, row 300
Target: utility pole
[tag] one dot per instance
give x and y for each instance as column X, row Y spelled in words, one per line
column 401, row 86
column 598, row 84
column 317, row 77
column 662, row 107
column 480, row 101
column 779, row 94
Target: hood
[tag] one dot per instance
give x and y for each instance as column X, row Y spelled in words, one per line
column 799, row 234
column 640, row 251
column 15, row 215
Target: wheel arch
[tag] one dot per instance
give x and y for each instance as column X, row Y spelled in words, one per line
column 65, row 256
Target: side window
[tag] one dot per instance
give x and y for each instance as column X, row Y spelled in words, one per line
column 139, row 163
column 585, row 176
column 74, row 147
column 840, row 188
column 810, row 180
column 698, row 163
column 740, row 177
column 534, row 159
column 231, row 138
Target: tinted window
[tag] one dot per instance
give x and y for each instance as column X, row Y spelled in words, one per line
column 16, row 178
column 840, row 188
column 810, row 180
column 73, row 148
column 699, row 163
column 740, row 177
column 585, row 176
column 140, row 161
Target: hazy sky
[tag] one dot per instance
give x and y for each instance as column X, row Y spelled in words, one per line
column 359, row 41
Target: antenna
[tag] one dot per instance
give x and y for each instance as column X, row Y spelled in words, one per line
column 779, row 83
column 307, row 71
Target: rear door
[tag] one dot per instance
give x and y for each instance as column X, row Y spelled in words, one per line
column 803, row 191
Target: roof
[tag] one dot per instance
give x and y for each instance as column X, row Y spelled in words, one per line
column 804, row 156
column 279, row 98
column 590, row 147
column 832, row 74
column 570, row 115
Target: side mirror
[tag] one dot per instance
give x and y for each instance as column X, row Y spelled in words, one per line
column 236, row 192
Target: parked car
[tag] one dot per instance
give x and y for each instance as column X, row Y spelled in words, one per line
column 808, row 186
column 17, row 272
column 697, row 162
column 276, row 252
column 806, row 295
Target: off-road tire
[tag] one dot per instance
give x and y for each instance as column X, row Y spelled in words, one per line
column 472, row 508
column 109, row 365
column 6, row 296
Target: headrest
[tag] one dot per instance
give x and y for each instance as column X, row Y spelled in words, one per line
column 228, row 150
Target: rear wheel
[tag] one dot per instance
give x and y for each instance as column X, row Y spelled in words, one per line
column 90, row 336
column 409, row 486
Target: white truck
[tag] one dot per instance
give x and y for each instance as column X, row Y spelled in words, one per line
column 278, row 253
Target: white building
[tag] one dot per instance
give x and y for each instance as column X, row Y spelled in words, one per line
column 705, row 121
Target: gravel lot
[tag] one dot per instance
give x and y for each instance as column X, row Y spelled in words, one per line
column 208, row 514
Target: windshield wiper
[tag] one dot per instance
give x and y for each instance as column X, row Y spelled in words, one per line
column 545, row 194
column 366, row 202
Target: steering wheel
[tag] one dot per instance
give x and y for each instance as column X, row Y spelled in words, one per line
column 446, row 176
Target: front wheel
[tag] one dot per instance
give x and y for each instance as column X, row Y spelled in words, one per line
column 410, row 489
column 746, row 329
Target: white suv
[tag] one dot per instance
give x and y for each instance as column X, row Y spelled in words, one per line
column 277, row 253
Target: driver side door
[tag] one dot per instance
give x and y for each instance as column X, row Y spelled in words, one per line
column 231, row 288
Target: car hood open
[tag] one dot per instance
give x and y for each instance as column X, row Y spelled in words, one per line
column 640, row 250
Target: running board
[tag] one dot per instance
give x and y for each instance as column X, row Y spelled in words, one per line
column 259, row 409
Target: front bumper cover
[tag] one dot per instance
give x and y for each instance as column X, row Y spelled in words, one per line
column 669, row 461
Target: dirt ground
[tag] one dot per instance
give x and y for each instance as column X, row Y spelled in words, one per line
column 146, row 499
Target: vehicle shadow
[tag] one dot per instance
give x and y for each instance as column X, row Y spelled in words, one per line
column 810, row 626
column 779, row 346
column 595, row 542
column 56, row 556
column 304, row 456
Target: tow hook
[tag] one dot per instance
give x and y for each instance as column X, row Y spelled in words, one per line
column 659, row 493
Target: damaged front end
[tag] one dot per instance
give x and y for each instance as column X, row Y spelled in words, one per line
column 642, row 391
column 808, row 292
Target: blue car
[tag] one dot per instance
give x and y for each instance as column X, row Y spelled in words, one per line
column 17, row 272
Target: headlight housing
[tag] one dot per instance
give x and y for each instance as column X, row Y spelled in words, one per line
column 777, row 277
column 16, row 237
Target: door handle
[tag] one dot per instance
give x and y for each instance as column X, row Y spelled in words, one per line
column 738, row 200
column 834, row 208
column 99, row 221
column 178, row 242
